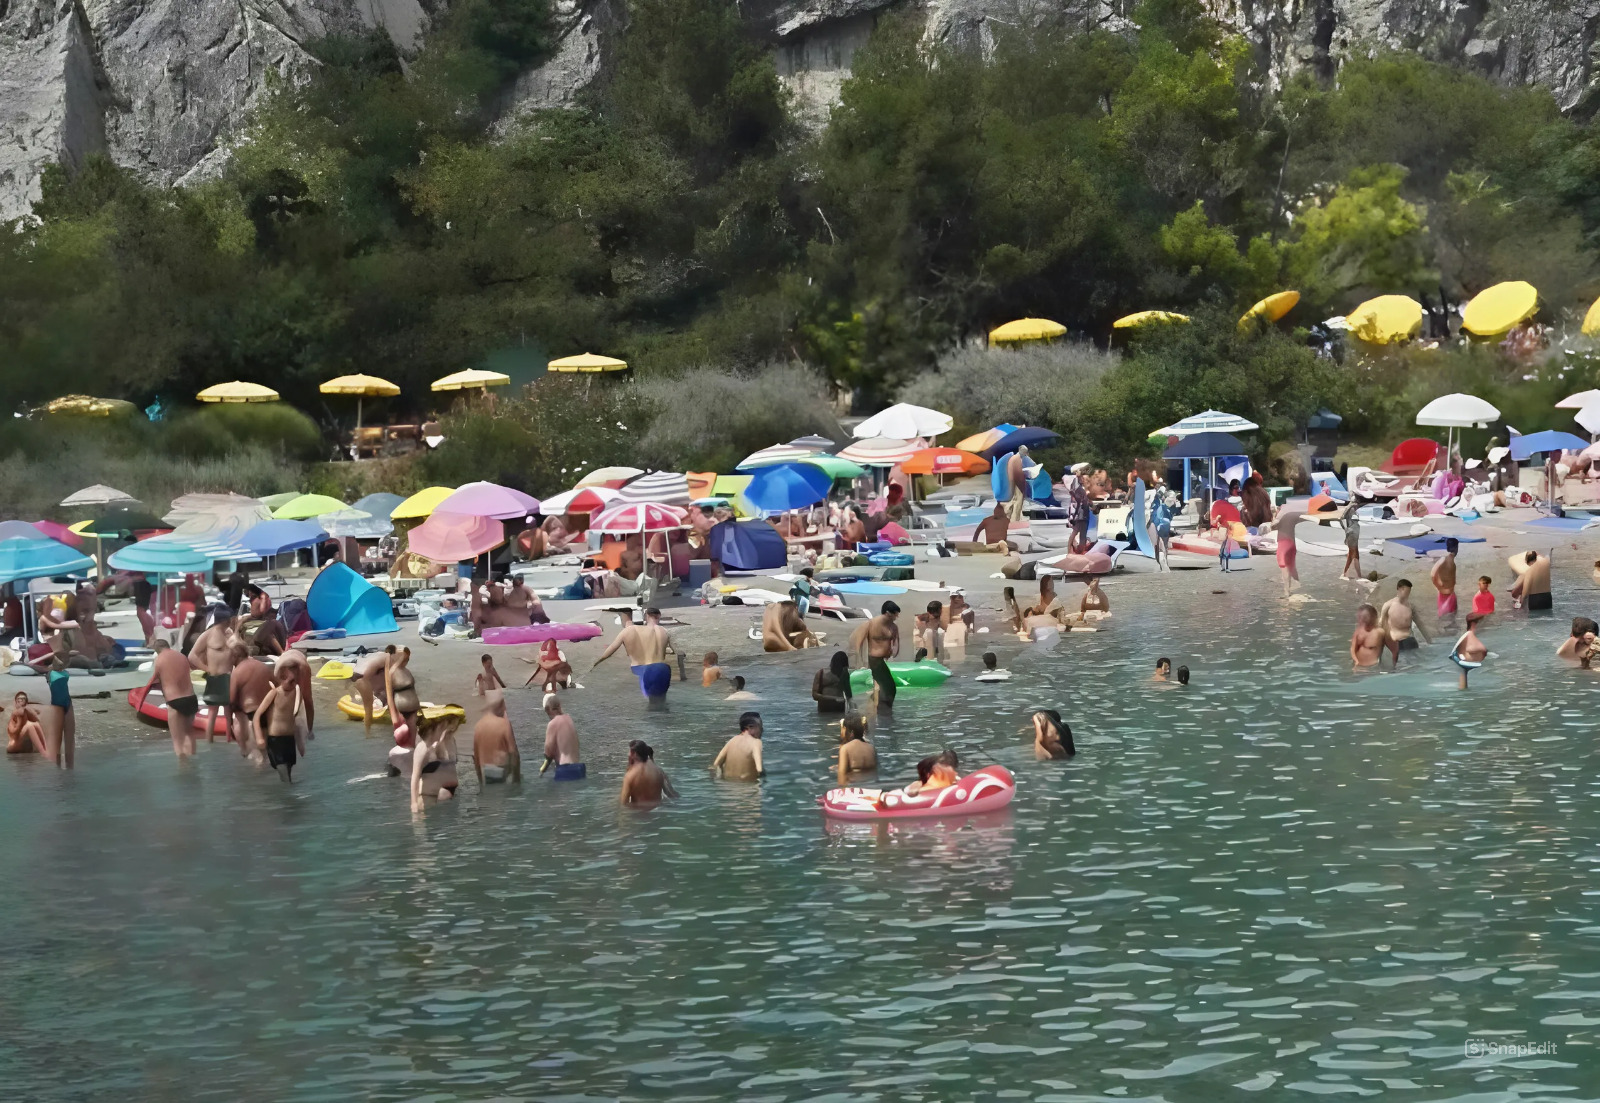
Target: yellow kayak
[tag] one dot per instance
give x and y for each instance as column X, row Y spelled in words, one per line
column 351, row 707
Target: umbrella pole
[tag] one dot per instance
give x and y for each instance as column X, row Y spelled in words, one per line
column 359, row 400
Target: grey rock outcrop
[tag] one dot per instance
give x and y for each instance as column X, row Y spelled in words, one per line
column 161, row 84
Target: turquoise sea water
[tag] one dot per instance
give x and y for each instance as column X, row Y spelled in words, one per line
column 1284, row 880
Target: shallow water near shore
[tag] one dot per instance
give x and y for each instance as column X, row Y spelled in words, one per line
column 1285, row 879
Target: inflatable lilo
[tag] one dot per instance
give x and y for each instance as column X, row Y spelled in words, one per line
column 986, row 790
column 905, row 675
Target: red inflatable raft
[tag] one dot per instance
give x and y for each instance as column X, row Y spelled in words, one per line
column 987, row 790
column 150, row 705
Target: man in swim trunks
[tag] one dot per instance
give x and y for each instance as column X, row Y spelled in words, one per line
column 171, row 672
column 991, row 532
column 292, row 658
column 1532, row 587
column 645, row 782
column 1287, row 550
column 880, row 637
column 647, row 645
column 277, row 731
column 1368, row 641
column 740, row 757
column 561, row 743
column 1444, row 577
column 1398, row 619
column 249, row 684
column 212, row 655
column 494, row 748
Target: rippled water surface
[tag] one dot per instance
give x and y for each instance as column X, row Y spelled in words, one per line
column 1282, row 880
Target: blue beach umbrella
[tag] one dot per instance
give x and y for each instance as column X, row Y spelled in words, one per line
column 787, row 486
column 161, row 556
column 271, row 538
column 1029, row 436
column 38, row 557
column 1550, row 440
column 380, row 504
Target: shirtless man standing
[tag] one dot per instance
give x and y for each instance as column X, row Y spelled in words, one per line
column 1368, row 641
column 171, row 672
column 647, row 645
column 251, row 680
column 1397, row 619
column 1444, row 578
column 740, row 757
column 561, row 743
column 880, row 637
column 1532, row 587
column 645, row 782
column 494, row 748
column 782, row 628
column 292, row 658
column 277, row 731
column 212, row 654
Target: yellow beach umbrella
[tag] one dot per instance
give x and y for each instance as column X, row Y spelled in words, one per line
column 421, row 504
column 1146, row 318
column 470, row 380
column 1271, row 308
column 1496, row 309
column 1591, row 321
column 589, row 363
column 238, row 392
column 1026, row 329
column 1386, row 319
column 86, row 406
column 361, row 386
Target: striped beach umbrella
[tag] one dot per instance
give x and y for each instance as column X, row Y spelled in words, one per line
column 667, row 487
column 777, row 453
column 631, row 517
column 880, row 451
column 580, row 499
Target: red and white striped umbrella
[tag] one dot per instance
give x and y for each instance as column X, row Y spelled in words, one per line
column 881, row 451
column 638, row 517
column 581, row 499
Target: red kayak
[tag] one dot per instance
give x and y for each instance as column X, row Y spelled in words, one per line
column 150, row 705
column 986, row 790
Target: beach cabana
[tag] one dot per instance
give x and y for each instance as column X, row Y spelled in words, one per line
column 341, row 598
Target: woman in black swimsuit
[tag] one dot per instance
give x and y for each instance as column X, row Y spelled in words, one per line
column 433, row 763
column 830, row 689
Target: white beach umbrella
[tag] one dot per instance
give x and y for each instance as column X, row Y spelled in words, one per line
column 97, row 495
column 1589, row 417
column 904, row 421
column 1209, row 421
column 1457, row 411
column 1579, row 401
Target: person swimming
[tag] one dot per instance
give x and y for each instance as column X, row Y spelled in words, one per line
column 1052, row 739
column 1163, row 670
column 1183, row 675
column 856, row 755
column 991, row 671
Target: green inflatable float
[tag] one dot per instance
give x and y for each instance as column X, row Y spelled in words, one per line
column 905, row 675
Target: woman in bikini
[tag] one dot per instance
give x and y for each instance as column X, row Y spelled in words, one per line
column 433, row 763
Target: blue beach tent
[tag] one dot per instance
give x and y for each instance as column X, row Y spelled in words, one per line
column 341, row 598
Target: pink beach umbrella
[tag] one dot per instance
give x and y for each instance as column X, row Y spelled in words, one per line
column 55, row 530
column 634, row 517
column 483, row 499
column 456, row 537
column 582, row 499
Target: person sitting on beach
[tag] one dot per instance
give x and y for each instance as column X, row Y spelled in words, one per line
column 1532, row 587
column 1368, row 641
column 1048, row 605
column 495, row 757
column 487, row 682
column 991, row 532
column 738, row 692
column 262, row 631
column 1052, row 739
column 856, row 755
column 1094, row 600
column 433, row 760
column 710, row 669
column 647, row 645
column 24, row 732
column 550, row 669
column 937, row 771
column 782, row 628
column 740, row 757
column 557, row 539
column 1163, row 670
column 561, row 743
column 1397, row 619
column 830, row 686
column 277, row 725
column 1573, row 647
column 645, row 782
column 1483, row 600
column 1011, row 565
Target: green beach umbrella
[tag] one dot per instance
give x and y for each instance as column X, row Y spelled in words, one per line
column 302, row 507
column 835, row 467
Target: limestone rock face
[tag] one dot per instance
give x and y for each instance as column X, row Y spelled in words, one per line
column 161, row 84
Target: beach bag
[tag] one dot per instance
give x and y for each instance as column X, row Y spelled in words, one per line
column 292, row 614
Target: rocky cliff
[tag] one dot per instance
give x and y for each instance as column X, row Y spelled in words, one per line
column 159, row 84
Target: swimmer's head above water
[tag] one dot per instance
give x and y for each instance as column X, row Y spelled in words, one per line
column 1163, row 667
column 750, row 723
column 639, row 751
column 852, row 727
column 989, row 660
column 1183, row 675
